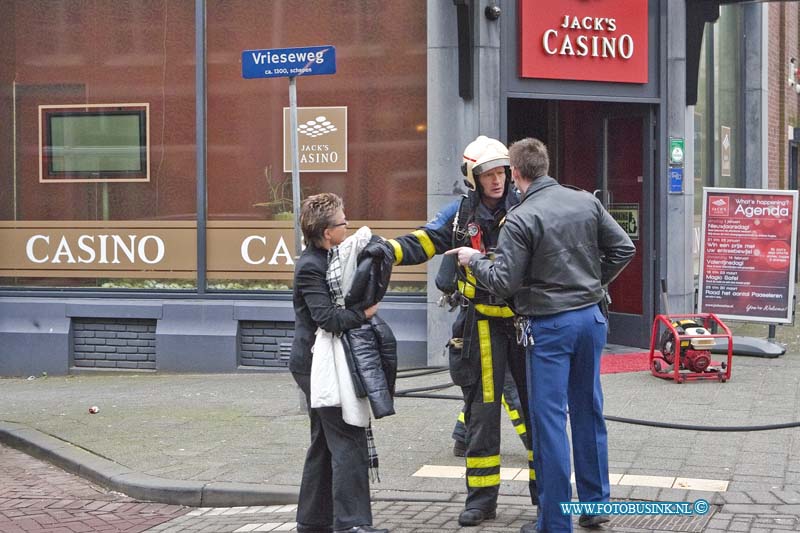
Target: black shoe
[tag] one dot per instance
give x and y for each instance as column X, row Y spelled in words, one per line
column 473, row 517
column 530, row 527
column 303, row 528
column 593, row 521
column 459, row 449
column 362, row 529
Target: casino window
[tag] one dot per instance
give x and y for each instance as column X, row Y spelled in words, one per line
column 368, row 142
column 98, row 173
column 718, row 125
column 97, row 149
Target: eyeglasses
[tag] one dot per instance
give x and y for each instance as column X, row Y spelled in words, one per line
column 339, row 224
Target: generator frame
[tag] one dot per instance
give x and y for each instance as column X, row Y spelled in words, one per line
column 710, row 322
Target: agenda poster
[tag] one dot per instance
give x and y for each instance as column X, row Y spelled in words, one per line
column 748, row 256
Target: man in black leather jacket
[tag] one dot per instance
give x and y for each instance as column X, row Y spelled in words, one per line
column 556, row 254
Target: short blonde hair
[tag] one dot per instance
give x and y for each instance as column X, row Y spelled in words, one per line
column 316, row 215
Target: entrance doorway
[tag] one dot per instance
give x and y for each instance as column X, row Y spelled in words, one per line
column 605, row 149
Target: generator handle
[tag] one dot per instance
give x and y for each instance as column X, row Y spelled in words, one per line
column 664, row 302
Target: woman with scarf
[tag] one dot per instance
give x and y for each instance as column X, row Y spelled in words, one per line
column 338, row 455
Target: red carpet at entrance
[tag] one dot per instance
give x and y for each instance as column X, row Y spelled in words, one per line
column 614, row 363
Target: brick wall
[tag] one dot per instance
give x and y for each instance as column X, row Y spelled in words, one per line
column 114, row 343
column 784, row 101
column 265, row 344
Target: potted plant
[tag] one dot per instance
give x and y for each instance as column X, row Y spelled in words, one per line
column 279, row 196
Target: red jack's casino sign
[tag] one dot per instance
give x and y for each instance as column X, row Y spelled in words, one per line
column 594, row 40
column 748, row 259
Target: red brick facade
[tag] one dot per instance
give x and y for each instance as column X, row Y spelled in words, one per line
column 783, row 100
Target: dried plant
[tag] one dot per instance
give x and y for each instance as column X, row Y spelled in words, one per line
column 279, row 195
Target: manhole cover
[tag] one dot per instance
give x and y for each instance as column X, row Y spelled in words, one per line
column 664, row 522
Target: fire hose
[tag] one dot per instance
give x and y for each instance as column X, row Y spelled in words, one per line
column 419, row 392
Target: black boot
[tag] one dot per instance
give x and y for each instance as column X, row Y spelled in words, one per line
column 593, row 521
column 362, row 529
column 473, row 517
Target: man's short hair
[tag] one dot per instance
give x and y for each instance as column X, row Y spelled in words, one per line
column 316, row 215
column 530, row 158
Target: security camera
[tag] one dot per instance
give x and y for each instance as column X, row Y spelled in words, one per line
column 492, row 12
column 793, row 81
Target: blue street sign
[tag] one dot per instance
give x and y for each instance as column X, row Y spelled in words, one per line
column 675, row 180
column 287, row 62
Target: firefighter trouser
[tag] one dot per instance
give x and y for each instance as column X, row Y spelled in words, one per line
column 513, row 405
column 496, row 346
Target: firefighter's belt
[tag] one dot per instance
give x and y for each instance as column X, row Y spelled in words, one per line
column 494, row 311
column 487, row 310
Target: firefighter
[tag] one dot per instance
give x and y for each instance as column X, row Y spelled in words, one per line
column 484, row 343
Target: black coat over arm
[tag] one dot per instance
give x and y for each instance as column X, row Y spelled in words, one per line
column 314, row 308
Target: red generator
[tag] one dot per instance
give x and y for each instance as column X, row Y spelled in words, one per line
column 680, row 347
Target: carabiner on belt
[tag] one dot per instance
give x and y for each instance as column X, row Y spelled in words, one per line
column 522, row 325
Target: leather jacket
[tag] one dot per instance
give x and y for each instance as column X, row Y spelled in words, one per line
column 372, row 351
column 371, row 348
column 557, row 251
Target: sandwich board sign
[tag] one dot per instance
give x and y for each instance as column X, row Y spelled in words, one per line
column 748, row 258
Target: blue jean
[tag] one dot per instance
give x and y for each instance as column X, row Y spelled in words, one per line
column 564, row 369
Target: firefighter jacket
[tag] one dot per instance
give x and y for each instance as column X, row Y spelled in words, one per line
column 557, row 251
column 371, row 348
column 447, row 230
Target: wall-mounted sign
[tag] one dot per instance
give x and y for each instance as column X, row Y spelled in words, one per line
column 675, row 180
column 236, row 249
column 286, row 62
column 81, row 249
column 749, row 252
column 627, row 216
column 725, row 151
column 601, row 40
column 322, row 139
column 676, row 151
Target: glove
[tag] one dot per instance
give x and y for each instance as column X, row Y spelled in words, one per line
column 376, row 248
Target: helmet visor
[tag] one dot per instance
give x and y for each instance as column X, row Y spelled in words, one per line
column 477, row 170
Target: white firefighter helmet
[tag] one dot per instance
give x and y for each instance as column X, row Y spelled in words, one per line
column 482, row 154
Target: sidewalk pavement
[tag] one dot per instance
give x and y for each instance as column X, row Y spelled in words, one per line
column 240, row 439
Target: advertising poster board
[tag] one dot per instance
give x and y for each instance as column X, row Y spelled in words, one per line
column 748, row 258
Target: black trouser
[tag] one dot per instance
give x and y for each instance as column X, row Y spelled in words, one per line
column 496, row 345
column 337, row 457
column 511, row 402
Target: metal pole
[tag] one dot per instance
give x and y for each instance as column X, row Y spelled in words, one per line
column 200, row 140
column 771, row 334
column 295, row 164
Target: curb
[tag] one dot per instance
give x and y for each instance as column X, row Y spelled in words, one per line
column 117, row 477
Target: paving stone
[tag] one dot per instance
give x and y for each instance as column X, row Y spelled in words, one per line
column 749, row 509
column 735, row 497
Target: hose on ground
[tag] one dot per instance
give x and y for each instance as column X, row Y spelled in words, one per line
column 417, row 393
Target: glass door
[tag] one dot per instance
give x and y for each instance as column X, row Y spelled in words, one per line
column 605, row 149
column 624, row 183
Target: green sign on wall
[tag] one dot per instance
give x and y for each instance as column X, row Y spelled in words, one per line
column 676, row 151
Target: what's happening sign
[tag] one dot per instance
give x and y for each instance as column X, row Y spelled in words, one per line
column 748, row 259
